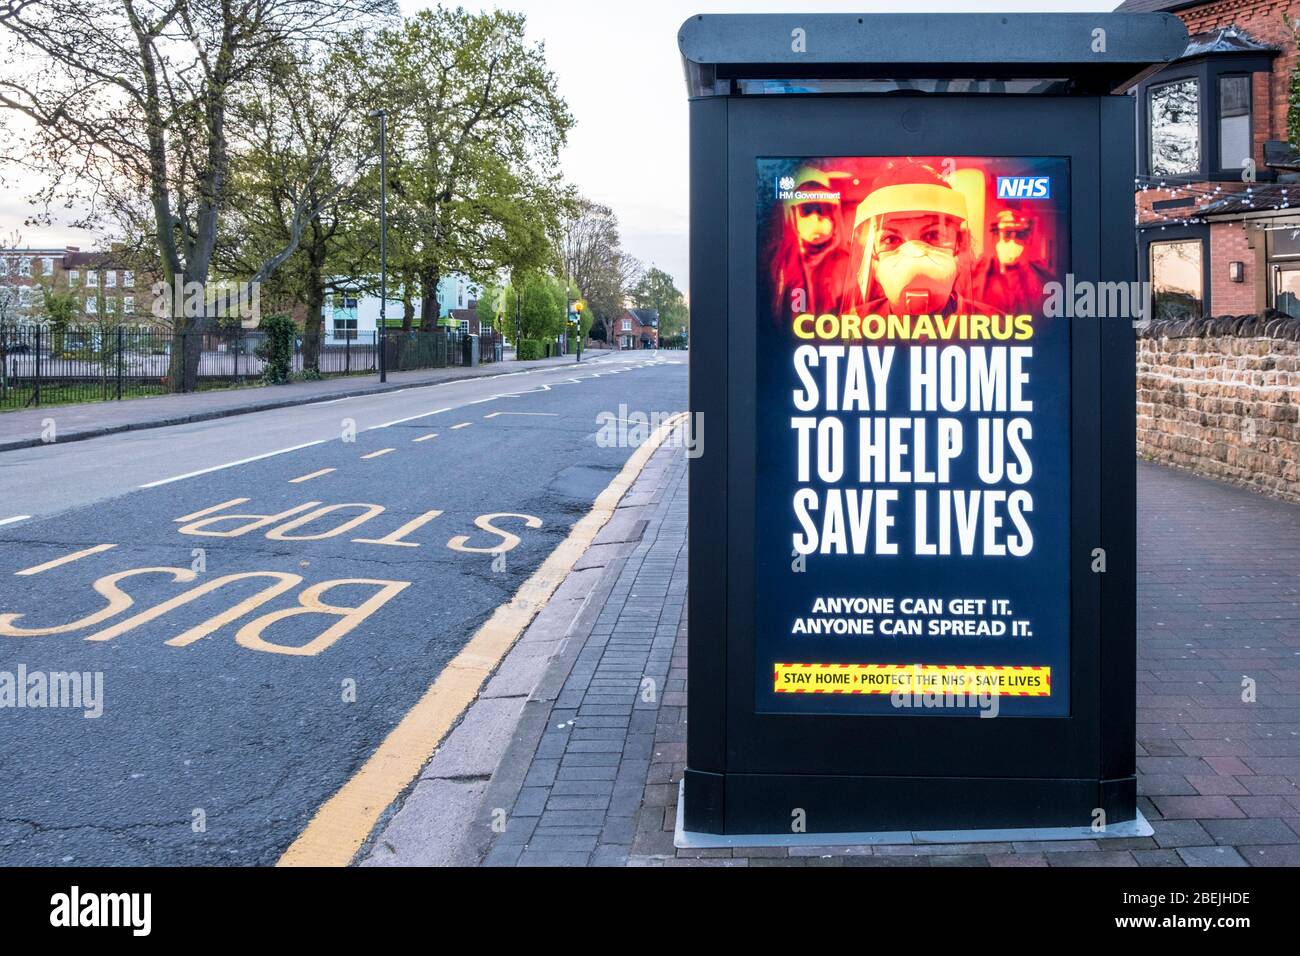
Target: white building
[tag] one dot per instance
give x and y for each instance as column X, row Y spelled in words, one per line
column 355, row 315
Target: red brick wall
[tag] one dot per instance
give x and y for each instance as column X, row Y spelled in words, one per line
column 1229, row 243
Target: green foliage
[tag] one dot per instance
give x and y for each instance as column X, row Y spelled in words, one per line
column 540, row 305
column 1293, row 89
column 475, row 128
column 529, row 349
column 276, row 349
column 657, row 291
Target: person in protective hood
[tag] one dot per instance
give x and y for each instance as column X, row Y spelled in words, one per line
column 912, row 247
column 1012, row 283
column 812, row 257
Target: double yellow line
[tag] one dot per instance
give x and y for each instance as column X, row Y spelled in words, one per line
column 342, row 824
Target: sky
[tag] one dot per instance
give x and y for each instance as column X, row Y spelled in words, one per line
column 618, row 66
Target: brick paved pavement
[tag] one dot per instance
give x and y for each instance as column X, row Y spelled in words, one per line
column 1219, row 602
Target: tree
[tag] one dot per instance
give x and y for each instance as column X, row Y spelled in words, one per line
column 134, row 98
column 657, row 291
column 310, row 140
column 539, row 302
column 476, row 126
column 594, row 260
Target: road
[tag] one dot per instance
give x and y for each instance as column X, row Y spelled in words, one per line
column 251, row 664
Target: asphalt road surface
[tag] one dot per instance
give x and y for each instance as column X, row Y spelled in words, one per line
column 249, row 665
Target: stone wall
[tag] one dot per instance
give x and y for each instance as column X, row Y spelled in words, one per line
column 1221, row 397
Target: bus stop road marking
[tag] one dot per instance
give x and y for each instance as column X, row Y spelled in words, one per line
column 338, row 829
column 315, row 474
column 66, row 559
column 377, row 454
column 231, row 464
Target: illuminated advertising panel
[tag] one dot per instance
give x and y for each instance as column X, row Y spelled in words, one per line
column 913, row 453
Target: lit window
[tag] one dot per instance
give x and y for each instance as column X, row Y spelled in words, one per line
column 92, row 305
column 1235, row 147
column 1175, row 133
column 1177, row 288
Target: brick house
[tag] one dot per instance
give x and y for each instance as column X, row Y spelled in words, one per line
column 1218, row 224
column 637, row 329
column 467, row 320
column 105, row 285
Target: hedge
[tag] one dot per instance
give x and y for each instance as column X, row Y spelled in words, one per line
column 530, row 349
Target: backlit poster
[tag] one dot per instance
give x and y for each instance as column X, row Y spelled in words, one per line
column 913, row 453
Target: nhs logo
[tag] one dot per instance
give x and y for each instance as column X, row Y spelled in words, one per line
column 1024, row 187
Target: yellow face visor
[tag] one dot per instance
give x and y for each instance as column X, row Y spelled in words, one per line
column 911, row 197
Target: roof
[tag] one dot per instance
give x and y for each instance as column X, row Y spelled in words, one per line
column 73, row 260
column 1230, row 39
column 648, row 317
column 721, row 48
column 1256, row 199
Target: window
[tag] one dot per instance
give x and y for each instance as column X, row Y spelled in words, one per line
column 128, row 279
column 92, row 305
column 4, row 266
column 110, row 279
column 345, row 328
column 464, row 325
column 25, row 297
column 92, row 279
column 1177, row 279
column 1175, row 131
column 47, row 266
column 128, row 305
column 110, row 305
column 1235, row 146
column 25, row 266
column 72, row 278
column 627, row 325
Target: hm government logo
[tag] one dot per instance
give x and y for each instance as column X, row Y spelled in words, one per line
column 1024, row 187
column 785, row 190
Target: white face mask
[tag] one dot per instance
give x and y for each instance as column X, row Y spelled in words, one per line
column 1009, row 252
column 917, row 277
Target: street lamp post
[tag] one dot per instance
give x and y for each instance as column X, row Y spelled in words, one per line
column 382, row 338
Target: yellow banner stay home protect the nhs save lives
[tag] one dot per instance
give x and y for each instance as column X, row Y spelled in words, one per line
column 912, row 679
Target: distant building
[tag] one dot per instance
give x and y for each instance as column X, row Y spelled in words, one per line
column 105, row 284
column 637, row 329
column 353, row 314
column 1218, row 183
